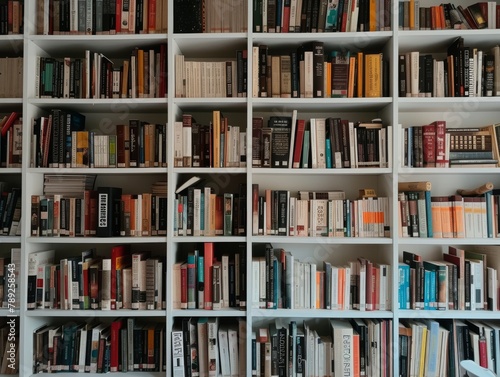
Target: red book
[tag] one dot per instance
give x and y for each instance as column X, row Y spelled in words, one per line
column 163, row 71
column 120, row 258
column 9, row 122
column 440, row 143
column 152, row 16
column 208, row 258
column 299, row 139
column 118, row 16
column 286, row 17
column 184, row 293
column 483, row 351
column 219, row 215
column 255, row 209
column 116, row 326
column 429, row 145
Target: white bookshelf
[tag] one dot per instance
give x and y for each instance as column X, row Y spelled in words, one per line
column 393, row 110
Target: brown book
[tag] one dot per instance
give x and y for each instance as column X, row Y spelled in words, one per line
column 414, row 186
column 257, row 124
column 286, row 76
column 373, row 75
column 479, row 13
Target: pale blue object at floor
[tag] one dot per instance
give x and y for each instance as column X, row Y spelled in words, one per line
column 475, row 370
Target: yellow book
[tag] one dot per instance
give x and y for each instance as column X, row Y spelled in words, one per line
column 328, row 79
column 352, row 71
column 216, row 116
column 373, row 75
column 423, row 345
column 361, row 66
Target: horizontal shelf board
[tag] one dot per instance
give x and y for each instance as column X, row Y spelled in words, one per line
column 439, row 40
column 117, row 171
column 320, row 104
column 94, row 313
column 319, row 313
column 445, row 314
column 446, row 171
column 321, row 240
column 10, row 101
column 10, row 239
column 110, row 44
column 448, row 104
column 109, row 105
column 448, row 241
column 96, row 240
column 10, row 171
column 189, row 239
column 210, row 170
column 330, row 40
column 208, row 104
column 12, row 43
column 8, row 313
column 208, row 313
column 322, row 172
column 208, row 44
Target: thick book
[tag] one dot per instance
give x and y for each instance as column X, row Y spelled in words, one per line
column 280, row 145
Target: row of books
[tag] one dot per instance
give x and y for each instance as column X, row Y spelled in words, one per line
column 124, row 345
column 142, row 75
column 461, row 280
column 283, row 281
column 60, row 140
column 101, row 17
column 218, row 144
column 210, row 280
column 465, row 72
column 437, row 347
column 217, row 16
column 481, row 15
column 320, row 143
column 12, row 21
column 11, row 77
column 9, row 280
column 311, row 72
column 308, row 349
column 318, row 214
column 208, row 346
column 126, row 280
column 104, row 212
column 9, row 346
column 454, row 216
column 10, row 210
column 270, row 16
column 211, row 77
column 11, row 140
column 435, row 145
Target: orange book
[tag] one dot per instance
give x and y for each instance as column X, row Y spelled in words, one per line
column 373, row 12
column 120, row 258
column 437, row 227
column 360, row 79
column 140, row 73
column 412, row 14
column 356, row 365
column 82, row 149
column 446, row 218
column 458, row 216
column 341, row 289
column 328, row 79
column 208, row 257
column 318, row 290
column 350, row 82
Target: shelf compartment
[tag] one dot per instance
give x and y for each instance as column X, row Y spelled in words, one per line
column 439, row 40
column 112, row 44
column 98, row 105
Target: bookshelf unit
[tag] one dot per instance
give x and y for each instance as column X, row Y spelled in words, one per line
column 103, row 114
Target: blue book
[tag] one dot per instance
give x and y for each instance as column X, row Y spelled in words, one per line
column 427, row 290
column 432, row 347
column 428, row 212
column 201, row 281
column 202, row 214
column 328, row 151
column 305, row 150
column 331, row 15
column 404, row 286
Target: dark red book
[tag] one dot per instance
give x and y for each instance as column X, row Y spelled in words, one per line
column 429, row 145
column 299, row 139
column 208, row 257
column 9, row 122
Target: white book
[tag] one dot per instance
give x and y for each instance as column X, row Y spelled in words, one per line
column 342, row 333
column 106, row 284
column 197, row 212
column 225, row 281
column 414, row 67
column 178, row 144
column 177, row 353
column 320, row 142
column 255, row 65
column 313, row 286
column 308, row 77
column 479, row 79
column 202, row 332
column 256, row 283
column 225, row 365
column 314, row 146
column 213, row 348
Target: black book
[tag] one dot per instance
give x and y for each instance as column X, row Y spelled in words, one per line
column 283, row 198
column 188, row 16
column 456, row 49
column 318, row 69
column 108, row 211
column 280, row 144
